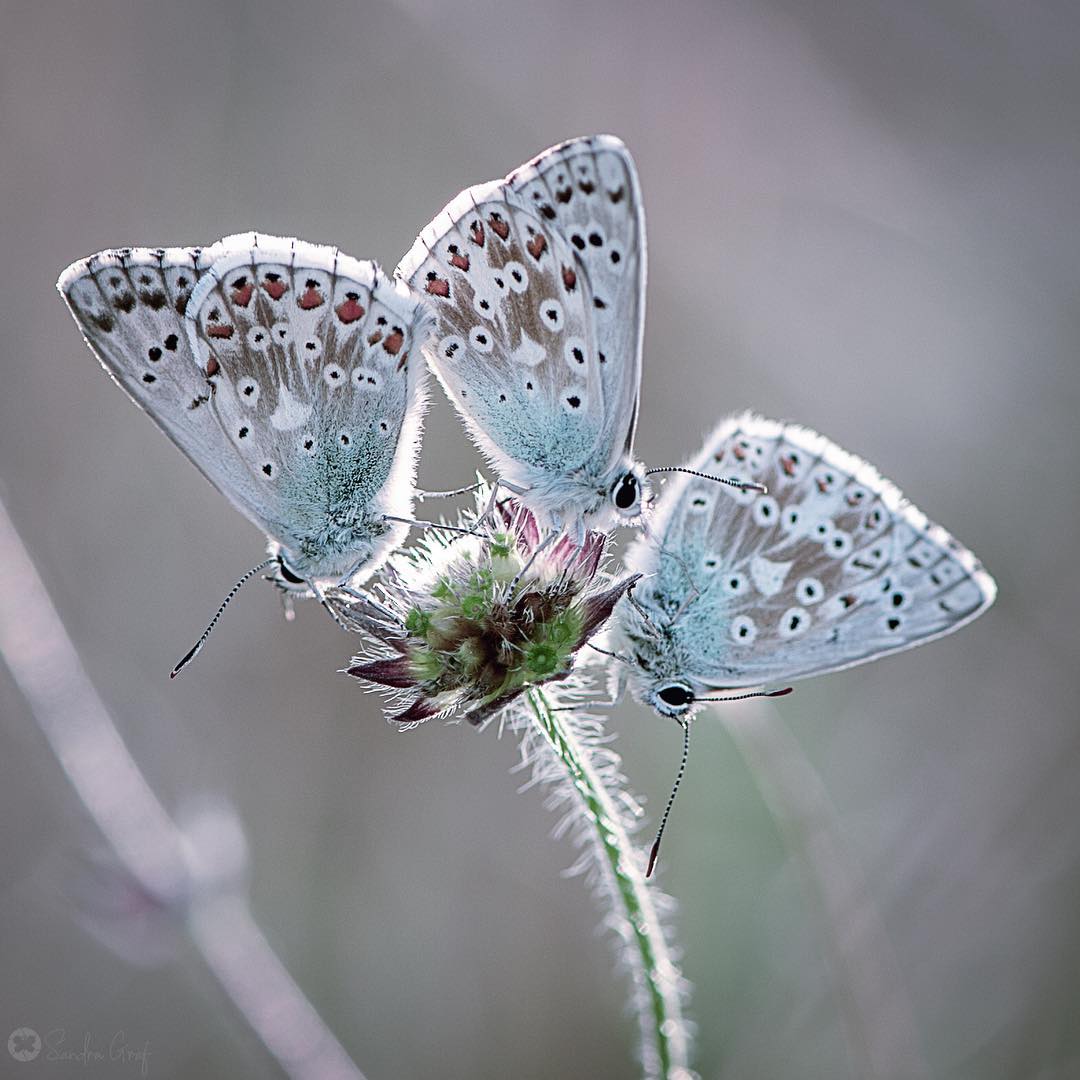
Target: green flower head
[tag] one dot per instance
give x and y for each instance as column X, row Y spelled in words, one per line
column 482, row 619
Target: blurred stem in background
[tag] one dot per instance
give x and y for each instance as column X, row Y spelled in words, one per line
column 566, row 749
column 198, row 874
column 883, row 1040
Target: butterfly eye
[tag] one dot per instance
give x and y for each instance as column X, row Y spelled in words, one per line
column 626, row 493
column 288, row 575
column 678, row 697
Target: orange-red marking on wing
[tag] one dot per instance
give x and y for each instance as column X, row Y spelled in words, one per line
column 349, row 310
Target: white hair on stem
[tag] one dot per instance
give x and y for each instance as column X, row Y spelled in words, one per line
column 567, row 751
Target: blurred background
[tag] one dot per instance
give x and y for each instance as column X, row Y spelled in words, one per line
column 863, row 216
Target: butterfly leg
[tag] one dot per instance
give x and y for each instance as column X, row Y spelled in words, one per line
column 642, row 613
column 492, row 502
column 369, row 601
column 474, row 529
column 694, row 591
column 587, row 706
column 338, row 609
column 613, row 655
column 414, row 524
column 328, row 604
column 487, row 512
column 551, row 536
column 489, row 509
column 422, row 495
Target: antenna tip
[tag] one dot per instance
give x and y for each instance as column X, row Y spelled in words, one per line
column 652, row 857
column 780, row 693
column 186, row 660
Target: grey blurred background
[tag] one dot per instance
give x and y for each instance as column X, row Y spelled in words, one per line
column 862, row 215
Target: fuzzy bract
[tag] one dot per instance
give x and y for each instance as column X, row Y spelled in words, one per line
column 481, row 619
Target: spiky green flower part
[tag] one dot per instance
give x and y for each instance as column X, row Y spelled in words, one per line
column 484, row 619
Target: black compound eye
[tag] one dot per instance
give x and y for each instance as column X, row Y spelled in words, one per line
column 676, row 696
column 626, row 492
column 288, row 575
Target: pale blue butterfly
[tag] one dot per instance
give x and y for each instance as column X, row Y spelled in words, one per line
column 281, row 369
column 830, row 568
column 538, row 284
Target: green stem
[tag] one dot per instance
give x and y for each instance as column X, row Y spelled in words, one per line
column 665, row 1039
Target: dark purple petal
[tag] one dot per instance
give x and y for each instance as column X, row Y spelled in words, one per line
column 419, row 710
column 564, row 554
column 580, row 562
column 521, row 522
column 596, row 609
column 589, row 559
column 391, row 671
column 506, row 510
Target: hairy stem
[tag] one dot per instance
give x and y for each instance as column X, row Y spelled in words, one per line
column 659, row 987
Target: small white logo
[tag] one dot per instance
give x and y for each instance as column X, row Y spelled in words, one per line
column 24, row 1044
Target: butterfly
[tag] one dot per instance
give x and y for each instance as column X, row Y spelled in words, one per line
column 830, row 568
column 538, row 285
column 281, row 370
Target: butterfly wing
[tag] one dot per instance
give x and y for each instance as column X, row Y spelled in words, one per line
column 831, row 568
column 589, row 190
column 536, row 282
column 130, row 306
column 280, row 369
